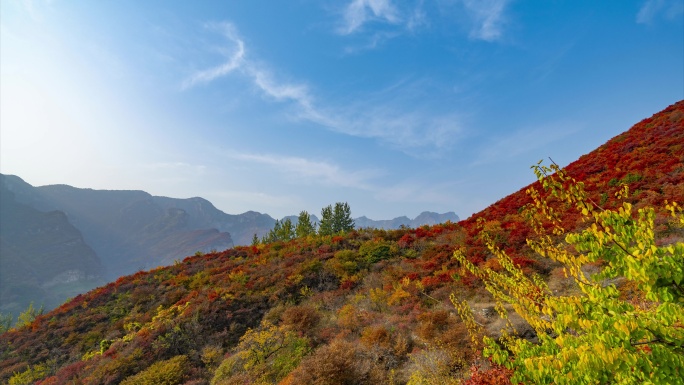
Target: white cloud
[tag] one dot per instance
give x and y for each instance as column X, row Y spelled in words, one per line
column 651, row 9
column 359, row 12
column 488, row 18
column 298, row 93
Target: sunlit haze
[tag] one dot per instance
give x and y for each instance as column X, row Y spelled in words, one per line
column 278, row 107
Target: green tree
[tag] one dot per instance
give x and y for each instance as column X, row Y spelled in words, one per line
column 336, row 220
column 272, row 235
column 255, row 240
column 603, row 334
column 342, row 220
column 28, row 315
column 305, row 226
column 325, row 227
column 286, row 231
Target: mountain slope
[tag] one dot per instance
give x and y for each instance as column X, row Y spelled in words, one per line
column 44, row 258
column 133, row 230
column 368, row 307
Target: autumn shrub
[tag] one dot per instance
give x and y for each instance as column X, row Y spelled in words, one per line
column 375, row 251
column 435, row 366
column 432, row 323
column 376, row 336
column 347, row 316
column 211, row 356
column 168, row 372
column 334, row 364
column 30, row 375
column 345, row 263
column 405, row 241
column 492, row 375
column 263, row 355
column 302, row 319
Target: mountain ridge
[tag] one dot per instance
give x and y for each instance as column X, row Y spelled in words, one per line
column 132, row 230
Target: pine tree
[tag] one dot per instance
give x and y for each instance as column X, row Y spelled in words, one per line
column 305, row 226
column 255, row 240
column 286, row 231
column 342, row 220
column 326, row 225
column 272, row 235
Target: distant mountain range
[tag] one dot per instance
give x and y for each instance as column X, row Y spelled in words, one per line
column 43, row 257
column 425, row 218
column 59, row 234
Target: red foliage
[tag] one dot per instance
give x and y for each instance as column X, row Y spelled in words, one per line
column 422, row 233
column 405, row 241
column 347, row 284
column 469, row 280
column 494, row 375
column 522, row 262
column 212, row 295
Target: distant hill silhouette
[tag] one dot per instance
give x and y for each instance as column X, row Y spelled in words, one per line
column 425, row 218
column 44, row 258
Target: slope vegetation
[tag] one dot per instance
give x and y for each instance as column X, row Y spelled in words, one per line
column 366, row 307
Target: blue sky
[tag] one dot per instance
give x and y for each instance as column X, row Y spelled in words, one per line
column 393, row 106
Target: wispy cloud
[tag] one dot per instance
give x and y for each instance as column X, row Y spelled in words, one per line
column 651, row 9
column 416, row 132
column 376, row 117
column 237, row 61
column 488, row 18
column 359, row 12
column 317, row 171
column 234, row 60
column 389, row 20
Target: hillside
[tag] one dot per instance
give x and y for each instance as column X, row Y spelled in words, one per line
column 44, row 258
column 366, row 307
